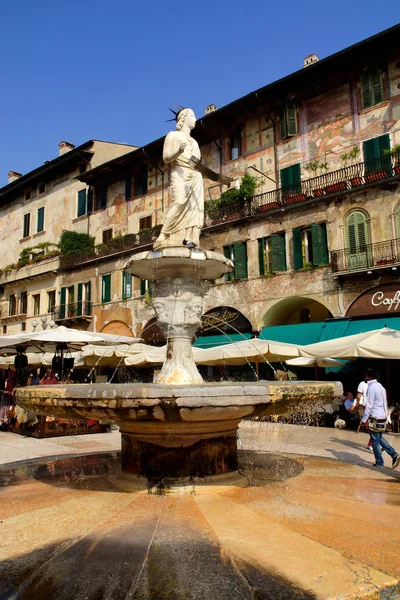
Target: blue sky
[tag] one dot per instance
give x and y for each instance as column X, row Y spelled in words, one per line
column 77, row 70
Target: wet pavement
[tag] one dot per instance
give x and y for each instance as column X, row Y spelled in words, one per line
column 316, row 521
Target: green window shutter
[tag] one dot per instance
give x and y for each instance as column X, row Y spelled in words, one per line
column 278, row 248
column 291, row 178
column 319, row 244
column 228, row 254
column 128, row 188
column 106, row 288
column 90, row 200
column 63, row 296
column 366, row 96
column 142, row 287
column 374, row 153
column 40, row 219
column 297, row 249
column 283, row 133
column 80, row 297
column 261, row 255
column 356, row 231
column 141, row 181
column 376, row 86
column 126, row 285
column 81, row 203
column 383, row 144
column 88, row 298
column 27, row 222
column 240, row 253
column 286, row 177
column 291, row 119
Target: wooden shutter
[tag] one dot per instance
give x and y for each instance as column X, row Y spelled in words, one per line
column 319, row 244
column 383, row 143
column 374, row 153
column 228, row 254
column 63, row 296
column 90, row 200
column 142, row 287
column 128, row 188
column 356, row 231
column 81, row 203
column 291, row 178
column 27, row 222
column 40, row 219
column 261, row 255
column 278, row 248
column 126, row 285
column 80, row 297
column 297, row 248
column 88, row 299
column 240, row 253
column 282, row 123
column 366, row 96
column 291, row 119
column 106, row 288
column 375, row 82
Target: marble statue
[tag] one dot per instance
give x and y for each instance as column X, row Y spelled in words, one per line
column 185, row 217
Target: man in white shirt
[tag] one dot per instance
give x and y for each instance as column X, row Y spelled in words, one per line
column 376, row 408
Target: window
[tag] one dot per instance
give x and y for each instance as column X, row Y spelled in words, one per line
column 36, row 304
column 4, row 329
column 107, row 235
column 272, row 253
column 106, row 288
column 310, row 246
column 146, row 222
column 141, row 181
column 28, row 194
column 371, row 88
column 291, row 180
column 41, row 188
column 126, row 286
column 287, row 121
column 145, row 287
column 374, row 154
column 128, row 188
column 12, row 305
column 84, row 306
column 23, row 303
column 101, row 198
column 23, row 326
column 51, row 301
column 238, row 254
column 40, row 220
column 235, row 145
column 67, row 299
column 85, row 202
column 357, row 239
column 27, row 225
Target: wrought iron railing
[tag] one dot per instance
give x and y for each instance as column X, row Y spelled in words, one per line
column 72, row 310
column 364, row 257
column 329, row 184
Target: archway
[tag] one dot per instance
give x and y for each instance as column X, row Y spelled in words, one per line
column 224, row 320
column 117, row 328
column 295, row 310
column 151, row 334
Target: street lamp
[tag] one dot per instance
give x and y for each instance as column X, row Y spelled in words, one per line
column 34, row 324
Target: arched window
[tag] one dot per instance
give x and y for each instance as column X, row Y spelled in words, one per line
column 356, row 231
column 371, row 88
column 357, row 239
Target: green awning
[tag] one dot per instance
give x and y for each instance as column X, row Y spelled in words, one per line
column 210, row 341
column 303, row 333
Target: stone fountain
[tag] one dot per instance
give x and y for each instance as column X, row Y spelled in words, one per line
column 179, row 427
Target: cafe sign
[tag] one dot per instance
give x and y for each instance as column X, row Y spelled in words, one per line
column 381, row 300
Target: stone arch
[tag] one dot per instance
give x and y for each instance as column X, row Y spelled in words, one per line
column 117, row 328
column 295, row 309
column 224, row 320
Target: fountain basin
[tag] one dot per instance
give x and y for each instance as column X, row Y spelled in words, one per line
column 177, row 431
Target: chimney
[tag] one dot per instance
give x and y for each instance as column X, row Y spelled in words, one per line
column 210, row 109
column 13, row 175
column 310, row 60
column 64, row 147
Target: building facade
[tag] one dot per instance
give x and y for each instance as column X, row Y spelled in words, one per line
column 319, row 237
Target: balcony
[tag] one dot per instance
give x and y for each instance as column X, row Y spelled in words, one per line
column 72, row 312
column 381, row 255
column 328, row 185
column 118, row 245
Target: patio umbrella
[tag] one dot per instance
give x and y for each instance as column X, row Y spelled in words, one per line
column 254, row 350
column 314, row 362
column 379, row 343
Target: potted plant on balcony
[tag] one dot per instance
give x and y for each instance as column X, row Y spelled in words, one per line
column 395, row 152
column 349, row 159
column 316, row 168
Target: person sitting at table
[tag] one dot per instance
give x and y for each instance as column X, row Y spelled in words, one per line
column 349, row 412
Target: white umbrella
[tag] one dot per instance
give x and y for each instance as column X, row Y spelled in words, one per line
column 379, row 343
column 302, row 361
column 254, row 350
column 12, row 340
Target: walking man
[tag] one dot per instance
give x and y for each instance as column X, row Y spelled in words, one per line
column 375, row 413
